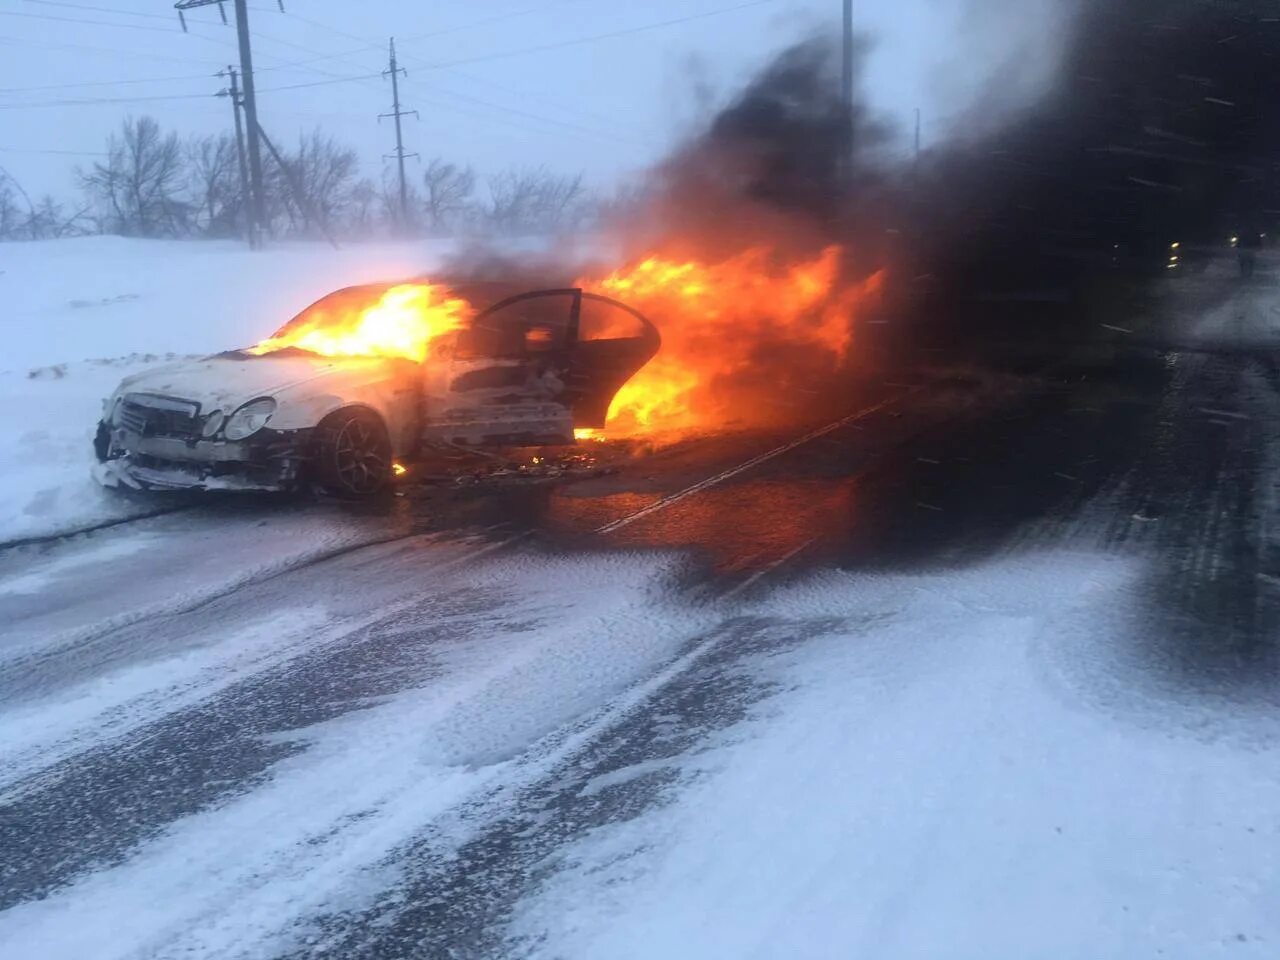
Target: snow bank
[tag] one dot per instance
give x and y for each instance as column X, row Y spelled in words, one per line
column 81, row 314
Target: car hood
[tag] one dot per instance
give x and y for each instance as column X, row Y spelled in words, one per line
column 226, row 381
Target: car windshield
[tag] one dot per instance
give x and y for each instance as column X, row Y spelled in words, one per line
column 334, row 308
column 375, row 320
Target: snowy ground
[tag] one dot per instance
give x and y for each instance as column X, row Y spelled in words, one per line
column 81, row 314
column 943, row 771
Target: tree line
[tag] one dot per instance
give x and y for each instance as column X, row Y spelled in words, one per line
column 156, row 183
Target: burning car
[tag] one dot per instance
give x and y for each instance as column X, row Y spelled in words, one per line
column 370, row 377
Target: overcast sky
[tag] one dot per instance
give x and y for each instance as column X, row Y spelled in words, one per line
column 599, row 86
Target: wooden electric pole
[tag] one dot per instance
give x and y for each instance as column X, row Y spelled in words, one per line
column 916, row 159
column 846, row 88
column 257, row 201
column 245, row 198
column 394, row 72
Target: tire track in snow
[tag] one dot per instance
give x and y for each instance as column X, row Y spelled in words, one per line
column 40, row 740
column 453, row 694
column 74, row 532
column 25, row 674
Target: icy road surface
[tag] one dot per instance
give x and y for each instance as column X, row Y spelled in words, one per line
column 989, row 670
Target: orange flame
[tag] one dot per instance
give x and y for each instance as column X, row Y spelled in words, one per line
column 401, row 323
column 718, row 321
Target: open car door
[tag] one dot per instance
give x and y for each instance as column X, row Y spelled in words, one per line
column 612, row 342
column 533, row 366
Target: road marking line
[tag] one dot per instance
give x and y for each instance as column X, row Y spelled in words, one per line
column 790, row 554
column 742, row 467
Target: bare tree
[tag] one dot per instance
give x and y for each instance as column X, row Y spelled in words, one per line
column 534, row 200
column 214, row 181
column 11, row 215
column 140, row 183
column 319, row 180
column 447, row 190
column 48, row 220
column 362, row 218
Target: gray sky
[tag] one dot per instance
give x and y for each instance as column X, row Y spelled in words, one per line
column 601, row 86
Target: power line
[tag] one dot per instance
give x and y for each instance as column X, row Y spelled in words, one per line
column 611, row 135
column 324, row 26
column 65, row 153
column 321, row 83
column 101, row 100
column 113, row 51
column 563, row 124
column 469, row 113
column 115, row 10
column 560, row 44
column 82, row 101
column 534, row 94
column 96, row 23
column 497, row 18
column 106, row 83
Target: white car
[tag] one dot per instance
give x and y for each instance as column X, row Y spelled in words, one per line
column 529, row 369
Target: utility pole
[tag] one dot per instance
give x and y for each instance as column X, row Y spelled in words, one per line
column 257, row 205
column 846, row 89
column 245, row 198
column 916, row 161
column 395, row 72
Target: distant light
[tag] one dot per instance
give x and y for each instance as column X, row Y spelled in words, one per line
column 399, row 469
column 1234, row 241
column 1175, row 245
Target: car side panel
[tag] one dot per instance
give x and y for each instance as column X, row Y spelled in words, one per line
column 392, row 391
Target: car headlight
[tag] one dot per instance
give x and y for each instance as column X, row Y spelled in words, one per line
column 249, row 419
column 211, row 423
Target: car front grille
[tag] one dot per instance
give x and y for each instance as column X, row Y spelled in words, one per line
column 155, row 416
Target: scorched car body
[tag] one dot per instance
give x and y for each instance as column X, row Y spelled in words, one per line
column 529, row 369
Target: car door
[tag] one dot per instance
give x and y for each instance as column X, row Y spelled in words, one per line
column 611, row 342
column 534, row 366
column 504, row 384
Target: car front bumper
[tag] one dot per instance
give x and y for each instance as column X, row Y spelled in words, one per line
column 269, row 460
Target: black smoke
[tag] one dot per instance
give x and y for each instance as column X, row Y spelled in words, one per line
column 1162, row 125
column 772, row 167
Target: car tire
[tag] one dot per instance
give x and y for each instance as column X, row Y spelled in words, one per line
column 353, row 454
column 102, row 442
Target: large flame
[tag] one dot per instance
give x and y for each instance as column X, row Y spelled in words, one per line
column 720, row 323
column 401, row 323
column 734, row 331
